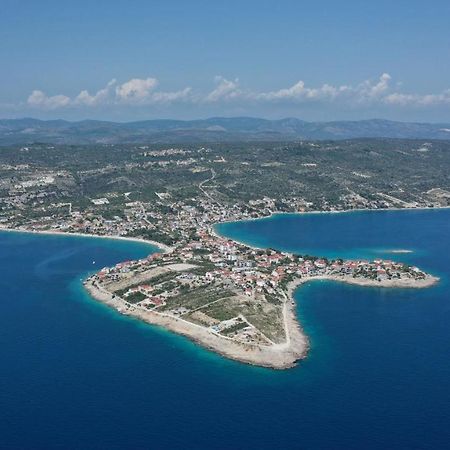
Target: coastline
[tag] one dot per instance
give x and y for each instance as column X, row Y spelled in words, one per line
column 279, row 356
column 276, row 356
column 342, row 211
column 406, row 284
column 163, row 247
column 216, row 233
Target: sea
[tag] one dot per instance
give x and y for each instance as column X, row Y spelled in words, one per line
column 75, row 374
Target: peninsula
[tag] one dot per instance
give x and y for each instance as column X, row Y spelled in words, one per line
column 231, row 298
column 234, row 299
column 228, row 297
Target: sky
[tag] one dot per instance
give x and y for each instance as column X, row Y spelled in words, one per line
column 134, row 60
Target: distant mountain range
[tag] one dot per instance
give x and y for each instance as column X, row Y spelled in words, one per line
column 217, row 129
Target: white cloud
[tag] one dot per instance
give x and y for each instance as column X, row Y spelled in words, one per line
column 369, row 91
column 136, row 89
column 169, row 97
column 299, row 92
column 225, row 90
column 364, row 92
column 101, row 96
column 400, row 99
column 418, row 100
column 144, row 92
column 41, row 100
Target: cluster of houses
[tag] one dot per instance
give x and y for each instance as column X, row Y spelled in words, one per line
column 147, row 298
column 190, row 223
column 263, row 271
column 251, row 272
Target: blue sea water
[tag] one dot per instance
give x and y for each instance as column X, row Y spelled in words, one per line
column 77, row 375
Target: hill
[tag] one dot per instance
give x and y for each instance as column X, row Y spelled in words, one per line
column 217, row 129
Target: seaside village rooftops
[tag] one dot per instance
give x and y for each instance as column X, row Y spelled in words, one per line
column 209, row 281
column 248, row 271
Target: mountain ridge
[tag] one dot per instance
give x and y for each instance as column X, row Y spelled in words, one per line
column 214, row 129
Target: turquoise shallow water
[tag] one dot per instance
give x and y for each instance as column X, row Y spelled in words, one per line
column 75, row 374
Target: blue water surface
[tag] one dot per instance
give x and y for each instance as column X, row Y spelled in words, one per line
column 77, row 375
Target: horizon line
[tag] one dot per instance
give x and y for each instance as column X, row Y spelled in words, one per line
column 374, row 119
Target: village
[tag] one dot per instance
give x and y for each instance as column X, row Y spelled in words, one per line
column 229, row 288
column 223, row 294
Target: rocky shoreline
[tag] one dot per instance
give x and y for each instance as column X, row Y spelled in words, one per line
column 282, row 355
column 279, row 356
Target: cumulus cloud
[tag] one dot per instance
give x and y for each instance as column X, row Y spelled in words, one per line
column 169, row 97
column 101, row 96
column 368, row 91
column 41, row 100
column 225, row 90
column 299, row 92
column 364, row 92
column 144, row 91
column 136, row 89
column 400, row 99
